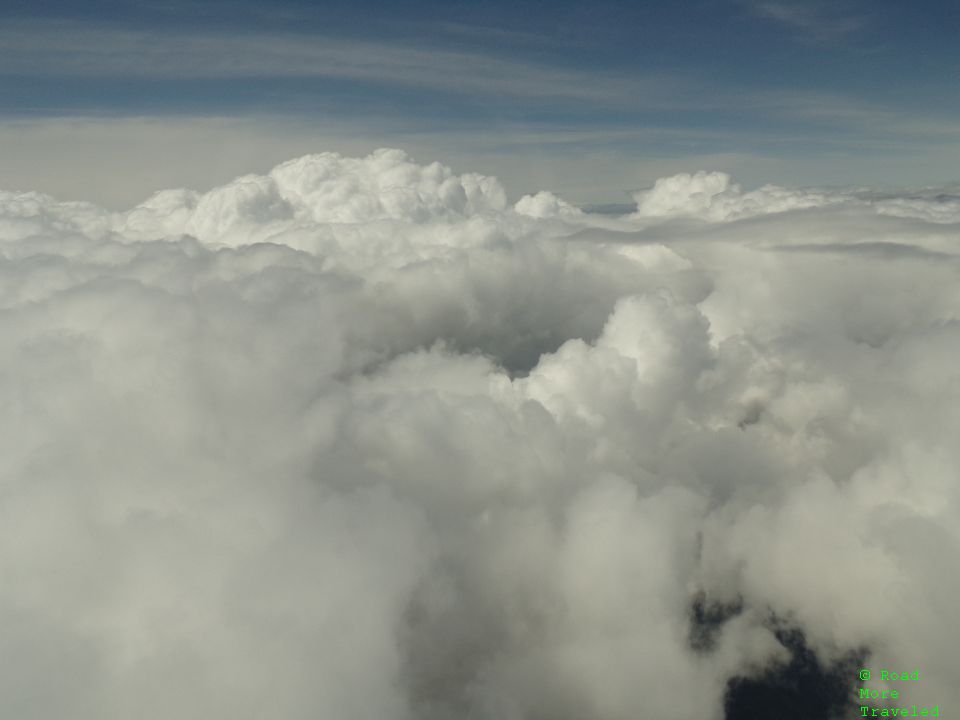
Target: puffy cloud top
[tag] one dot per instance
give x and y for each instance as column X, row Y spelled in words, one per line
column 545, row 204
column 384, row 185
column 357, row 439
column 714, row 196
column 325, row 188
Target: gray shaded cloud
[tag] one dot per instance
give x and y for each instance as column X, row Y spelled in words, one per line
column 360, row 438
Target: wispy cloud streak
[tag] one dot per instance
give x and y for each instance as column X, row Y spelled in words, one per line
column 812, row 20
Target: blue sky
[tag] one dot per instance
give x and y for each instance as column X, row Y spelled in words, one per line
column 589, row 99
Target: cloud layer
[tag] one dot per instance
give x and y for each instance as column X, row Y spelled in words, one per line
column 359, row 439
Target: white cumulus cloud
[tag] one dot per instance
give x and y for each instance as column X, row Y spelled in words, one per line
column 714, row 196
column 357, row 438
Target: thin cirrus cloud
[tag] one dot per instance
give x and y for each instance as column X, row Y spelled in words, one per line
column 813, row 20
column 70, row 50
column 78, row 51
